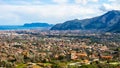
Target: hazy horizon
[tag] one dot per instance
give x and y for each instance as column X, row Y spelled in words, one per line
column 52, row 11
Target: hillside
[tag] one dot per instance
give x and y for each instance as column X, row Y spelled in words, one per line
column 108, row 21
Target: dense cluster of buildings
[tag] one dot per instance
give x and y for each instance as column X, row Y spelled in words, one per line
column 31, row 48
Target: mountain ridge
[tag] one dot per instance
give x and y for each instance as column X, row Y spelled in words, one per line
column 106, row 22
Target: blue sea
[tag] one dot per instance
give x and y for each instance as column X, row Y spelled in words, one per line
column 18, row 28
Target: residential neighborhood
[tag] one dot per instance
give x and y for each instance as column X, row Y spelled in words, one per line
column 52, row 49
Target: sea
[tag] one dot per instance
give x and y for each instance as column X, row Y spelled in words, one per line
column 19, row 28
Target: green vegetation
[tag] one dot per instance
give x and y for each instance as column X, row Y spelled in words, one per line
column 21, row 65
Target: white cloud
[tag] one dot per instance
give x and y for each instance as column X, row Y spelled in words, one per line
column 45, row 13
column 59, row 12
column 81, row 1
column 21, row 2
column 112, row 5
column 85, row 2
column 94, row 0
column 60, row 1
column 111, row 0
column 114, row 2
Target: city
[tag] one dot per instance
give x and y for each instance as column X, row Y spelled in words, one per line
column 59, row 33
column 59, row 49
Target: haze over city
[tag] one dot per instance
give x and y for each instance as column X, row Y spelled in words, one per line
column 18, row 12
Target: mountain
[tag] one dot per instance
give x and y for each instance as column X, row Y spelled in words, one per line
column 37, row 25
column 106, row 21
column 69, row 25
column 109, row 21
column 115, row 28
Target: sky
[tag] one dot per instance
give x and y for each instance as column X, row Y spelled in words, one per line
column 18, row 12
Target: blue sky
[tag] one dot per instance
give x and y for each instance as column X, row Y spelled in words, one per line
column 18, row 12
